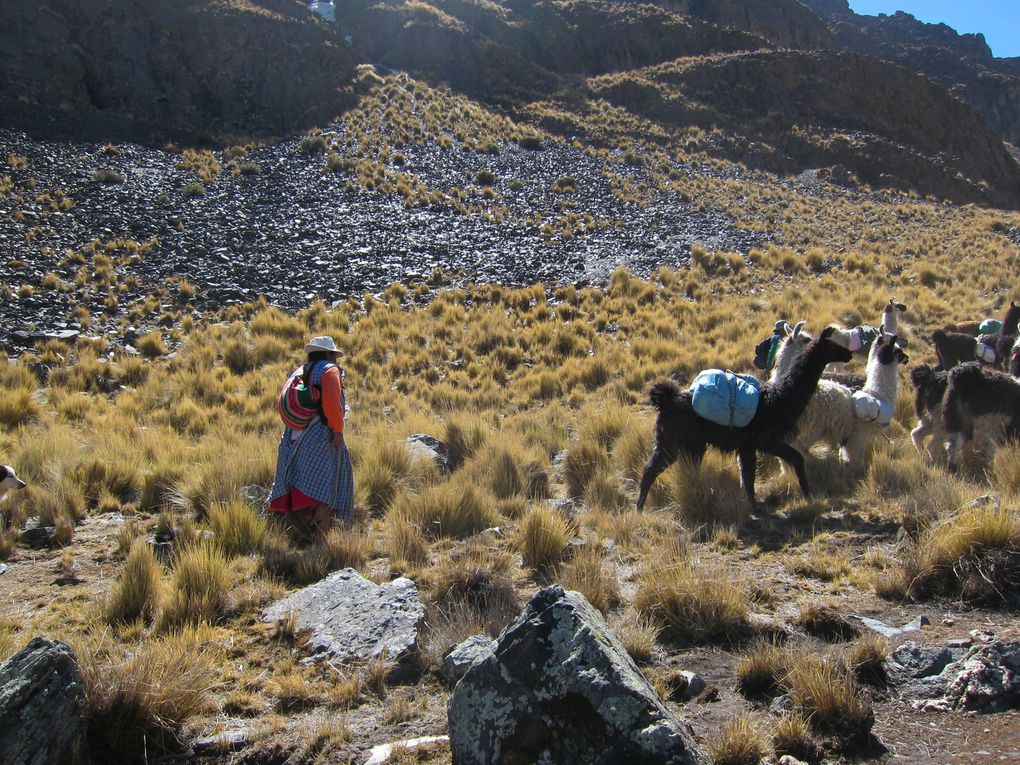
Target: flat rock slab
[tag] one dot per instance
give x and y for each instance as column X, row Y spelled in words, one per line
column 350, row 618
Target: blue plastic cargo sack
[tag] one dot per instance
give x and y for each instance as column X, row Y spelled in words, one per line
column 726, row 398
column 990, row 327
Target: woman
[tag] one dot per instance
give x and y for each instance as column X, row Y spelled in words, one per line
column 313, row 469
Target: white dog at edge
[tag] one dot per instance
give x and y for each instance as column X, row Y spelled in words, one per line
column 8, row 481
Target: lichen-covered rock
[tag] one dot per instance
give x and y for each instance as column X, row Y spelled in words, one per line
column 42, row 706
column 349, row 617
column 427, row 448
column 559, row 686
column 459, row 659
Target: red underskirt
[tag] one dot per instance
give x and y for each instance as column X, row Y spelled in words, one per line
column 292, row 502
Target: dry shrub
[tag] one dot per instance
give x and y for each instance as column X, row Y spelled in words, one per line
column 201, row 588
column 587, row 573
column 137, row 704
column 583, row 462
column 741, row 742
column 136, row 594
column 830, row 698
column 693, row 601
column 973, row 555
column 238, row 528
column 452, row 509
column 542, row 537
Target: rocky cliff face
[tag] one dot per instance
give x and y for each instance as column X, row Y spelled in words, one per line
column 962, row 64
column 810, row 109
column 784, row 23
column 191, row 66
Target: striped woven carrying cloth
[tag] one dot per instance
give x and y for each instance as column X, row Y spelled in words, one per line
column 307, row 461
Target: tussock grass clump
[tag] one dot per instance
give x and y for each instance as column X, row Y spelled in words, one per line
column 406, row 545
column 219, row 480
column 159, row 487
column 340, row 548
column 18, row 407
column 973, row 555
column 542, row 537
column 741, row 742
column 587, row 572
column 605, row 493
column 453, row 509
column 825, row 622
column 201, row 588
column 583, row 462
column 830, row 698
column 760, row 670
column 384, row 470
column 465, row 434
column 138, row 703
column 474, row 590
column 639, row 635
column 151, row 345
column 709, row 495
column 509, row 470
column 792, row 735
column 238, row 528
column 694, row 601
column 1006, row 469
column 866, row 659
column 632, row 449
column 137, row 592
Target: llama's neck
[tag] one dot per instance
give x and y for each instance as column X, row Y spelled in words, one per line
column 882, row 380
column 786, row 354
column 891, row 319
column 802, row 381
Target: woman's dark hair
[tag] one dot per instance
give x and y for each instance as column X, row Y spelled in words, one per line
column 314, row 356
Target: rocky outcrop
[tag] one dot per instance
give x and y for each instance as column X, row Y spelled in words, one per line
column 195, row 67
column 42, row 706
column 984, row 678
column 559, row 687
column 784, row 23
column 347, row 617
column 961, row 63
column 889, row 125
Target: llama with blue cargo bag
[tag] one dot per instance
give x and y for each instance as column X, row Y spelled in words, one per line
column 725, row 398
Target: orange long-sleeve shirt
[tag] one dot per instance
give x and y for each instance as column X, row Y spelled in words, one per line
column 332, row 403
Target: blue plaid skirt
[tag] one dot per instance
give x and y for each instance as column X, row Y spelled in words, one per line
column 312, row 466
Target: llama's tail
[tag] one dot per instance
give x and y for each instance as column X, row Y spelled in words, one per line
column 663, row 394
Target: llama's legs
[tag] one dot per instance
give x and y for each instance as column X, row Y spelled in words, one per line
column 748, row 462
column 659, row 461
column 954, row 449
column 917, row 435
column 788, row 454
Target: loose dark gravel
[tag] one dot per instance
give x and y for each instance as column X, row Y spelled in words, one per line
column 293, row 232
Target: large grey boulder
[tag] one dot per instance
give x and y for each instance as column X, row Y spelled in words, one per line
column 560, row 687
column 348, row 617
column 42, row 706
column 426, row 448
column 458, row 660
column 984, row 678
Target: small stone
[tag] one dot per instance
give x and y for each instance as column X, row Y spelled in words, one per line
column 959, row 643
column 228, row 741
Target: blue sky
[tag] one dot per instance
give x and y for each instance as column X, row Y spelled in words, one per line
column 998, row 20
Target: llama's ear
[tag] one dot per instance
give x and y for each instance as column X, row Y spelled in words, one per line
column 901, row 307
column 881, row 330
column 827, row 333
column 798, row 328
column 787, row 329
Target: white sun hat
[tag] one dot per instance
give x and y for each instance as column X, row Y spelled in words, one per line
column 322, row 343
